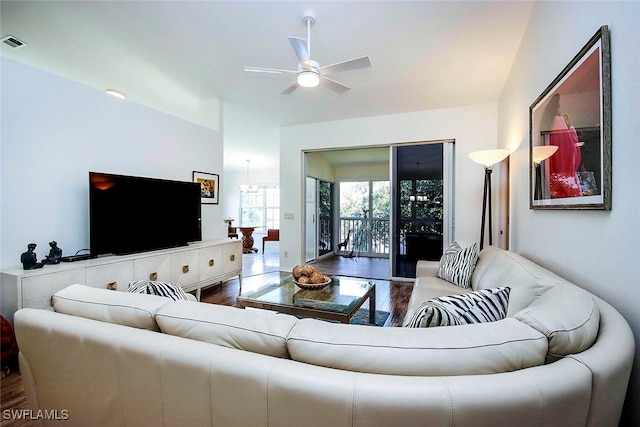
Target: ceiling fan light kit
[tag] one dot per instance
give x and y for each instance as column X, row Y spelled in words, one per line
column 309, row 73
column 308, row 79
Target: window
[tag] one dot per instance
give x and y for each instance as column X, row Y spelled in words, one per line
column 364, row 216
column 260, row 207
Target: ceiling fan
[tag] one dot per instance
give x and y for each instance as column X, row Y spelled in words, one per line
column 309, row 72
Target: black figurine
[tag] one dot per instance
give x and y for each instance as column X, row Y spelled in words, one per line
column 55, row 253
column 29, row 259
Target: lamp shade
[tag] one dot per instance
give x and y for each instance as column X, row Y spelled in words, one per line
column 308, row 79
column 543, row 152
column 489, row 158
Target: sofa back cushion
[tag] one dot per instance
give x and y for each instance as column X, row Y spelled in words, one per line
column 123, row 308
column 256, row 331
column 482, row 348
column 497, row 267
column 567, row 315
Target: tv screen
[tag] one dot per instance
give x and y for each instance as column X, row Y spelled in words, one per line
column 129, row 214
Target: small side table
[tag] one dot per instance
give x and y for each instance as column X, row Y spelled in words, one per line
column 247, row 240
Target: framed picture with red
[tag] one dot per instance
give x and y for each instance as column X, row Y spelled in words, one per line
column 570, row 133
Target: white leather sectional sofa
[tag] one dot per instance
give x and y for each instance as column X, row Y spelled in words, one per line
column 561, row 357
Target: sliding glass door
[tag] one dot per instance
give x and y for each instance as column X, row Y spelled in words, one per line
column 320, row 219
column 422, row 194
column 326, row 216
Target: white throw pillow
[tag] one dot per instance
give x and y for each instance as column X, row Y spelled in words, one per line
column 457, row 264
column 486, row 305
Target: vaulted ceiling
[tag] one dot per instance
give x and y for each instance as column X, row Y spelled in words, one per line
column 176, row 56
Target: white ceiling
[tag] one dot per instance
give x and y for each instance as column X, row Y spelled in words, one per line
column 176, row 55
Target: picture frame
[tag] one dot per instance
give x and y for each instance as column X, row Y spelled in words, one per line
column 209, row 187
column 570, row 133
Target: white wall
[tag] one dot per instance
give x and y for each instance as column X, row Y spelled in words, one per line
column 319, row 167
column 54, row 131
column 374, row 171
column 596, row 250
column 473, row 128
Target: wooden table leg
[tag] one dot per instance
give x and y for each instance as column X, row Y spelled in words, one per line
column 372, row 306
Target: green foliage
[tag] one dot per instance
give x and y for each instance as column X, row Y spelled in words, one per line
column 354, row 198
column 421, row 216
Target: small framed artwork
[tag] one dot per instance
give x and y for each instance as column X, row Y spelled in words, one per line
column 209, row 187
column 570, row 133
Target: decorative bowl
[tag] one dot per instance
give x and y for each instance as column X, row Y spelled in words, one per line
column 312, row 286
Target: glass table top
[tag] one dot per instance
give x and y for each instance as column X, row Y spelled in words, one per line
column 339, row 296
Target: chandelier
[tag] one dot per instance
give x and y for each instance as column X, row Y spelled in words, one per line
column 248, row 188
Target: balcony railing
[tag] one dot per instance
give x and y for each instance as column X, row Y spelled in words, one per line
column 366, row 238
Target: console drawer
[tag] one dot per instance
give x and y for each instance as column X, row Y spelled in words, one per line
column 156, row 268
column 114, row 276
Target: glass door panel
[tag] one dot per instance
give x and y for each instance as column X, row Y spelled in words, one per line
column 354, row 211
column 310, row 220
column 419, row 214
column 326, row 217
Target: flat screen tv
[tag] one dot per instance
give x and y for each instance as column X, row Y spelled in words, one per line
column 129, row 214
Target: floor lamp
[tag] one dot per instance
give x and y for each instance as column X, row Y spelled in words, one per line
column 487, row 158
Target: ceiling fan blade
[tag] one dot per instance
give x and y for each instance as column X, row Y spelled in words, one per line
column 300, row 48
column 351, row 64
column 290, row 89
column 334, row 85
column 268, row 70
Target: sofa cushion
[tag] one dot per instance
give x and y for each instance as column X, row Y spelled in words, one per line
column 161, row 289
column 567, row 316
column 123, row 308
column 257, row 331
column 480, row 348
column 526, row 279
column 429, row 287
column 457, row 264
column 487, row 305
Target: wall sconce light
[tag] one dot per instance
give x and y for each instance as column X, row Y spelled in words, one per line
column 539, row 154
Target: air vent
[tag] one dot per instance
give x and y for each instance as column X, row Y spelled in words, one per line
column 13, row 41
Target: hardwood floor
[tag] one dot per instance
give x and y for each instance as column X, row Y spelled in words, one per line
column 390, row 296
column 370, row 268
column 13, row 399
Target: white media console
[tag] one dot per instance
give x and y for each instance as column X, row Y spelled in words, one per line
column 193, row 267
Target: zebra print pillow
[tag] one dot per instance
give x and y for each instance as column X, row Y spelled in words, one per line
column 432, row 313
column 168, row 290
column 486, row 305
column 457, row 264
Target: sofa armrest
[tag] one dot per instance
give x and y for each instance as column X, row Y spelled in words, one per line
column 427, row 268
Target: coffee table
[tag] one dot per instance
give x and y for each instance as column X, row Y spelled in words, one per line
column 338, row 301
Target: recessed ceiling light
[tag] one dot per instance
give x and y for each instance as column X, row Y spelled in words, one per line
column 115, row 93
